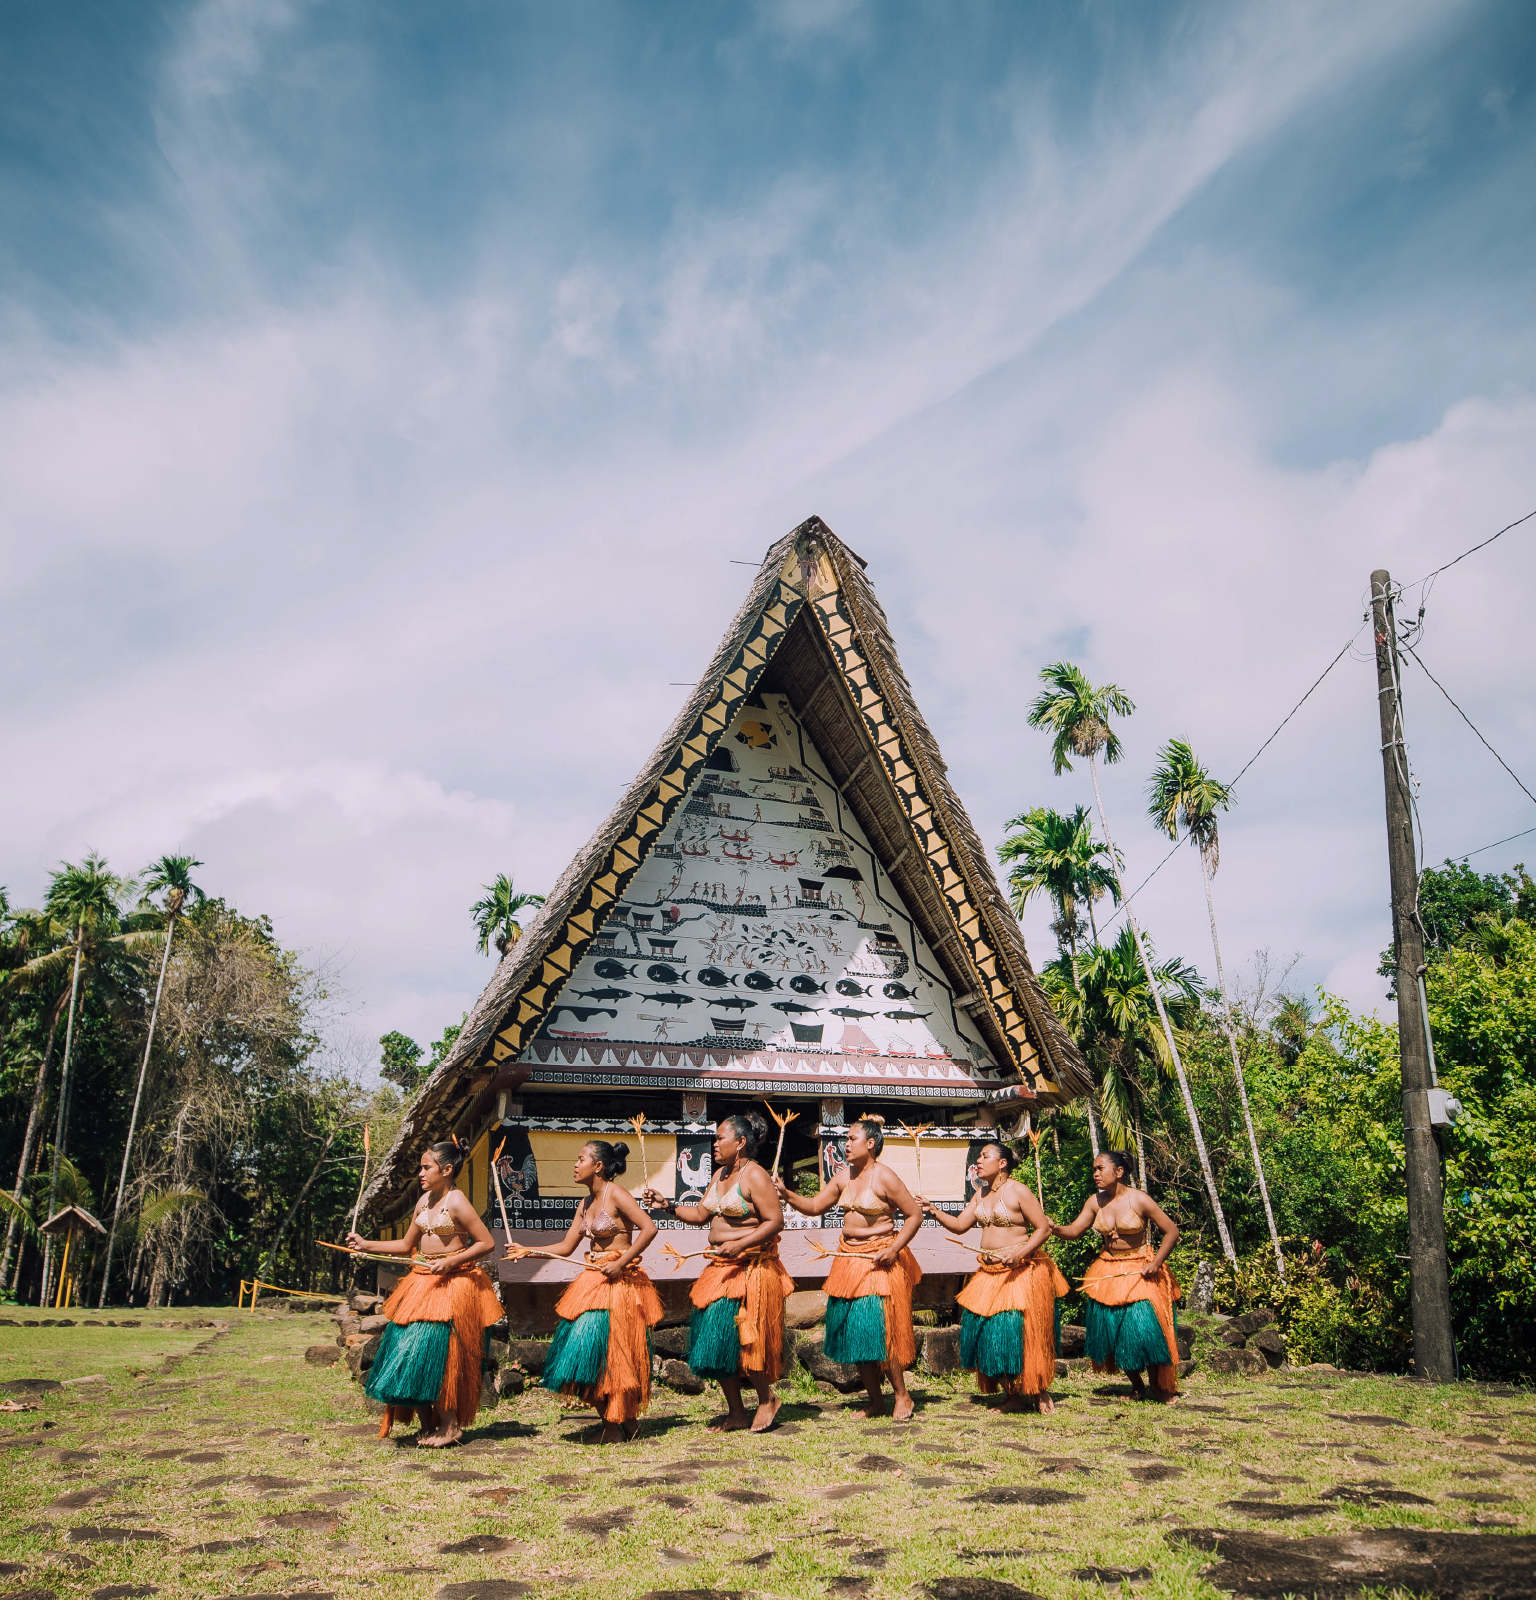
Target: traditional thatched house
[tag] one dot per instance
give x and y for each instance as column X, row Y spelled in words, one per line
column 789, row 904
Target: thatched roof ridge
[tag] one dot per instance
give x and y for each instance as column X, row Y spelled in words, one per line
column 812, row 596
column 1002, row 926
column 437, row 1105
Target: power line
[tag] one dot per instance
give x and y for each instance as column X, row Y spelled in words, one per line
column 1473, row 551
column 1469, row 722
column 1494, row 846
column 1248, row 763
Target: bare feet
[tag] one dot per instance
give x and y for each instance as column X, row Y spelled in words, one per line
column 1014, row 1403
column 448, row 1432
column 905, row 1406
column 766, row 1412
column 1047, row 1406
column 613, row 1433
column 731, row 1422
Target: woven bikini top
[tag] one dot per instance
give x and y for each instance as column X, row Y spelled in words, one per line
column 444, row 1228
column 998, row 1215
column 735, row 1206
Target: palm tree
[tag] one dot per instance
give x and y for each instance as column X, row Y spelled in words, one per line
column 1058, row 856
column 30, row 932
column 1112, row 1008
column 1078, row 714
column 85, row 898
column 173, row 876
column 1181, row 790
column 496, row 915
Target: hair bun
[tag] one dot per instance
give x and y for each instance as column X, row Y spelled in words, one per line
column 879, row 1119
column 620, row 1149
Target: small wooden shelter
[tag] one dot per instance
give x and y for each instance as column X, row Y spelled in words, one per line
column 64, row 1224
column 789, row 905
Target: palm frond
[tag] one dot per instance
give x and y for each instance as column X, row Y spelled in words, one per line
column 21, row 1210
column 160, row 1206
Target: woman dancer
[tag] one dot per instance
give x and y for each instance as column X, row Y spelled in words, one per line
column 601, row 1352
column 1130, row 1291
column 428, row 1359
column 737, row 1328
column 869, row 1289
column 1008, row 1309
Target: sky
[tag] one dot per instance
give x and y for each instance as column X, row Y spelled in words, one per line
column 391, row 396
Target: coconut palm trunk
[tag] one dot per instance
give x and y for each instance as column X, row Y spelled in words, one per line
column 28, row 1144
column 58, row 1135
column 1162, row 1014
column 1237, row 1066
column 133, row 1120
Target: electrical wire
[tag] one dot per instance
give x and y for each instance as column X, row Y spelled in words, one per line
column 1420, row 582
column 1469, row 722
column 1494, row 846
column 1348, row 643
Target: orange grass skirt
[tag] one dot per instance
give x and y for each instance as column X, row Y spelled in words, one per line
column 634, row 1308
column 465, row 1298
column 1032, row 1288
column 758, row 1280
column 853, row 1280
column 1115, row 1281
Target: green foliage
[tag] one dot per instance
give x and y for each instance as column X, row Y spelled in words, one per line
column 1059, row 857
column 1076, row 715
column 496, row 916
column 441, row 1047
column 1355, row 1322
column 400, row 1061
column 1459, row 906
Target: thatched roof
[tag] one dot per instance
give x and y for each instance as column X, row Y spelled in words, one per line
column 811, row 629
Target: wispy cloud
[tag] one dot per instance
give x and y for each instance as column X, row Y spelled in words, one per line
column 366, row 574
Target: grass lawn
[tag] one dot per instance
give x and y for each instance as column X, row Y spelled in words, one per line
column 252, row 1473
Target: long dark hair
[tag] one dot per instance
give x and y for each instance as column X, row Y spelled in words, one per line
column 612, row 1158
column 751, row 1129
column 450, row 1155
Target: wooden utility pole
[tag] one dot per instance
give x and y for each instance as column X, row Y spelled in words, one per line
column 1434, row 1349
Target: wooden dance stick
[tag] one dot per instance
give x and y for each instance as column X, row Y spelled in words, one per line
column 916, row 1136
column 783, row 1122
column 680, row 1256
column 363, row 1255
column 824, row 1254
column 638, row 1124
column 364, row 1181
column 506, row 1227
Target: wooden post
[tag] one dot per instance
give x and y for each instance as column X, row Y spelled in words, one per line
column 1434, row 1346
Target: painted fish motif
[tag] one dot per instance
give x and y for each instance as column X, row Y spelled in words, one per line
column 714, row 978
column 603, row 994
column 611, row 969
column 850, row 1011
column 908, row 1016
column 660, row 972
column 733, row 1002
column 898, row 991
column 804, row 985
column 756, row 980
column 849, row 987
column 583, row 1013
column 671, row 999
column 793, row 1008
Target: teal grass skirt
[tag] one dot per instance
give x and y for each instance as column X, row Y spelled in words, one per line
column 994, row 1346
column 856, row 1330
column 714, row 1349
column 578, row 1353
column 1129, row 1337
column 409, row 1364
